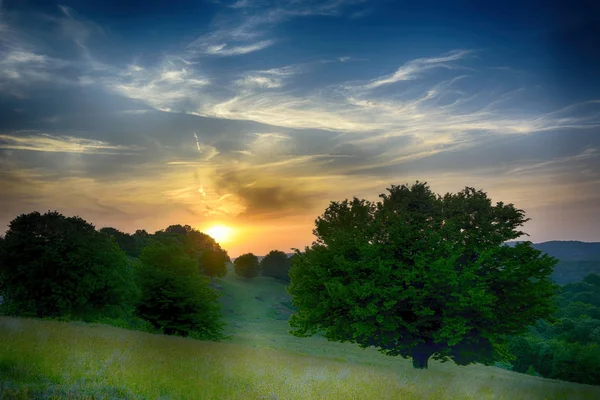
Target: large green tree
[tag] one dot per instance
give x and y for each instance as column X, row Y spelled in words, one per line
column 420, row 276
column 175, row 297
column 52, row 265
column 277, row 265
column 247, row 266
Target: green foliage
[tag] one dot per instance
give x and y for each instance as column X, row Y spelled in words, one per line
column 568, row 348
column 209, row 255
column 57, row 266
column 277, row 265
column 126, row 242
column 179, row 229
column 128, row 322
column 572, row 271
column 213, row 263
column 175, row 297
column 247, row 266
column 531, row 371
column 419, row 275
column 592, row 279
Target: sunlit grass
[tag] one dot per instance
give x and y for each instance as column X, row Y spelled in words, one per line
column 75, row 361
column 261, row 361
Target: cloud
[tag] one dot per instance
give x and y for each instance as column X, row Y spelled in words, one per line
column 25, row 60
column 414, row 68
column 225, row 49
column 277, row 77
column 259, row 81
column 587, row 154
column 265, row 199
column 168, row 87
column 60, row 144
column 244, row 33
column 77, row 28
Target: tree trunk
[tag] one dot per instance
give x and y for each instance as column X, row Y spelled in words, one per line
column 420, row 356
column 420, row 360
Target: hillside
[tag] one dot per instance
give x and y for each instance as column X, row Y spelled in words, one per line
column 41, row 359
column 58, row 360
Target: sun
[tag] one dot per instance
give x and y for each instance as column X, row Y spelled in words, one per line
column 220, row 233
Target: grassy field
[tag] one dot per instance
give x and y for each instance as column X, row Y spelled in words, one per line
column 47, row 359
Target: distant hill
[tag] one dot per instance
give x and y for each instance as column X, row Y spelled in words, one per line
column 576, row 259
column 569, row 250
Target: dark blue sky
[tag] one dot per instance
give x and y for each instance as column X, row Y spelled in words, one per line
column 257, row 113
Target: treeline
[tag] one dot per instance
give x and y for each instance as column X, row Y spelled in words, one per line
column 568, row 346
column 276, row 265
column 52, row 266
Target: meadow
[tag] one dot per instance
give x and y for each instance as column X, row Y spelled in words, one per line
column 69, row 360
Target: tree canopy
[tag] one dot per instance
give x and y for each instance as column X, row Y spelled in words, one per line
column 420, row 275
column 277, row 265
column 52, row 265
column 175, row 297
column 128, row 243
column 247, row 266
column 211, row 259
column 213, row 263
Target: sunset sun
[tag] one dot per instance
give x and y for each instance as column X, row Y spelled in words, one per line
column 220, row 233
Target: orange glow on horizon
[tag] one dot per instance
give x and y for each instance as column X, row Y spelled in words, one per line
column 221, row 233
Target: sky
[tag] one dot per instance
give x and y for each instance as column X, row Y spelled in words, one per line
column 256, row 114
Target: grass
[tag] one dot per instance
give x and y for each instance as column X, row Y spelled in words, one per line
column 50, row 359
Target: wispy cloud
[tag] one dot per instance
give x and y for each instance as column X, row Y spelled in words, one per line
column 243, row 33
column 414, row 68
column 279, row 77
column 225, row 49
column 257, row 80
column 586, row 154
column 61, row 144
column 197, row 141
column 168, row 87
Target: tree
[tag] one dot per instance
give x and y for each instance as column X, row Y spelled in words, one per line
column 52, row 266
column 247, row 266
column 276, row 264
column 175, row 297
column 126, row 242
column 419, row 276
column 179, row 229
column 211, row 258
column 212, row 263
column 593, row 279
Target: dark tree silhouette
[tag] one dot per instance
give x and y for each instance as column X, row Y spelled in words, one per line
column 247, row 266
column 126, row 242
column 213, row 263
column 277, row 265
column 52, row 265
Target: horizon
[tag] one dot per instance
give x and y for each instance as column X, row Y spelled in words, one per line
column 246, row 118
